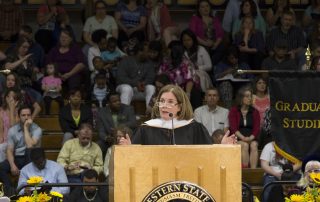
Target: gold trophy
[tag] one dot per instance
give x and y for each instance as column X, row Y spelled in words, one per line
column 308, row 58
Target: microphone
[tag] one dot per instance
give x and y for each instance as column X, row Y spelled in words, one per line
column 172, row 128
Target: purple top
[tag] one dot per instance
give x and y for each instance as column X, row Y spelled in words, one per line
column 66, row 61
column 199, row 27
column 181, row 75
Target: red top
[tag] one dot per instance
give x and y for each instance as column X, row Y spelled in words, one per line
column 234, row 120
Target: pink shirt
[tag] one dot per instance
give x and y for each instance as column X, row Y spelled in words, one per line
column 51, row 81
column 261, row 104
column 197, row 26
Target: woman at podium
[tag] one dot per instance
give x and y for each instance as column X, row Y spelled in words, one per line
column 172, row 123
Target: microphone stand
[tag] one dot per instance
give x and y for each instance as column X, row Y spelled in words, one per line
column 173, row 139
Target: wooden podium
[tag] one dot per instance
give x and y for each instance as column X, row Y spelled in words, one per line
column 136, row 169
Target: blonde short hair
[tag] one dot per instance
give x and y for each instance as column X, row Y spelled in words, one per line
column 186, row 111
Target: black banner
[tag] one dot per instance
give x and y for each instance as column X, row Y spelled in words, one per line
column 295, row 113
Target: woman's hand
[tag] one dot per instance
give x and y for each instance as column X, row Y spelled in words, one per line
column 229, row 139
column 125, row 141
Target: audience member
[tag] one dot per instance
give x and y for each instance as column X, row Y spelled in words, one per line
column 52, row 86
column 99, row 21
column 154, row 53
column 70, row 60
column 12, row 81
column 315, row 64
column 314, row 36
column 280, row 59
column 181, row 72
column 249, row 9
column 22, row 137
column 50, row 171
column 160, row 24
column 273, row 165
column 112, row 115
column 311, row 15
column 226, row 78
column 100, row 67
column 217, row 136
column 89, row 193
column 244, row 122
column 292, row 35
column 9, row 117
column 11, row 20
column 100, row 91
column 199, row 56
column 20, row 62
column 211, row 115
column 35, row 49
column 135, row 76
column 251, row 43
column 80, row 154
column 73, row 115
column 208, row 30
column 47, row 20
column 131, row 18
column 232, row 13
column 273, row 15
column 260, row 98
column 119, row 132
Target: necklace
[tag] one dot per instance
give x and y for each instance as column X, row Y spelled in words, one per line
column 89, row 199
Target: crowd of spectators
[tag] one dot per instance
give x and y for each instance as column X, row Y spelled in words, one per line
column 130, row 56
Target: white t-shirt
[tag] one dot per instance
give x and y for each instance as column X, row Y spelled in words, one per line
column 107, row 24
column 269, row 154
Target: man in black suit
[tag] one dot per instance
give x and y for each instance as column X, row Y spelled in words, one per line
column 115, row 113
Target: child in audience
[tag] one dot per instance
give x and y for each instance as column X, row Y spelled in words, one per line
column 100, row 91
column 217, row 136
column 120, row 132
column 51, row 85
column 102, row 68
column 111, row 56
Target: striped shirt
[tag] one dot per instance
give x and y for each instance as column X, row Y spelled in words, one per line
column 294, row 38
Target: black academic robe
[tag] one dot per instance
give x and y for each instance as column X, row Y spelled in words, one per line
column 192, row 133
column 77, row 195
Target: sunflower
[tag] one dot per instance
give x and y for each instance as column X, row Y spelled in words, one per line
column 25, row 199
column 43, row 197
column 57, row 194
column 315, row 177
column 296, row 198
column 35, row 180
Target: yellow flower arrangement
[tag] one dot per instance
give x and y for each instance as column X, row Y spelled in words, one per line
column 311, row 194
column 39, row 197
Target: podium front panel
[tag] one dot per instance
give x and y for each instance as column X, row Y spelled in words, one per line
column 136, row 169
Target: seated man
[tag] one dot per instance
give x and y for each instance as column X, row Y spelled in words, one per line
column 22, row 137
column 274, row 165
column 89, row 193
column 111, row 116
column 80, row 154
column 50, row 171
column 135, row 76
column 211, row 115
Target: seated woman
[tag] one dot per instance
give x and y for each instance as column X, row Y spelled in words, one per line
column 244, row 122
column 199, row 56
column 47, row 19
column 273, row 15
column 69, row 59
column 131, row 18
column 251, row 43
column 73, row 115
column 8, row 117
column 20, row 62
column 311, row 16
column 261, row 99
column 181, row 72
column 160, row 24
column 208, row 30
column 249, row 9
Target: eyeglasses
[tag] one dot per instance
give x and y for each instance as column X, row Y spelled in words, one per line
column 313, row 171
column 168, row 104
